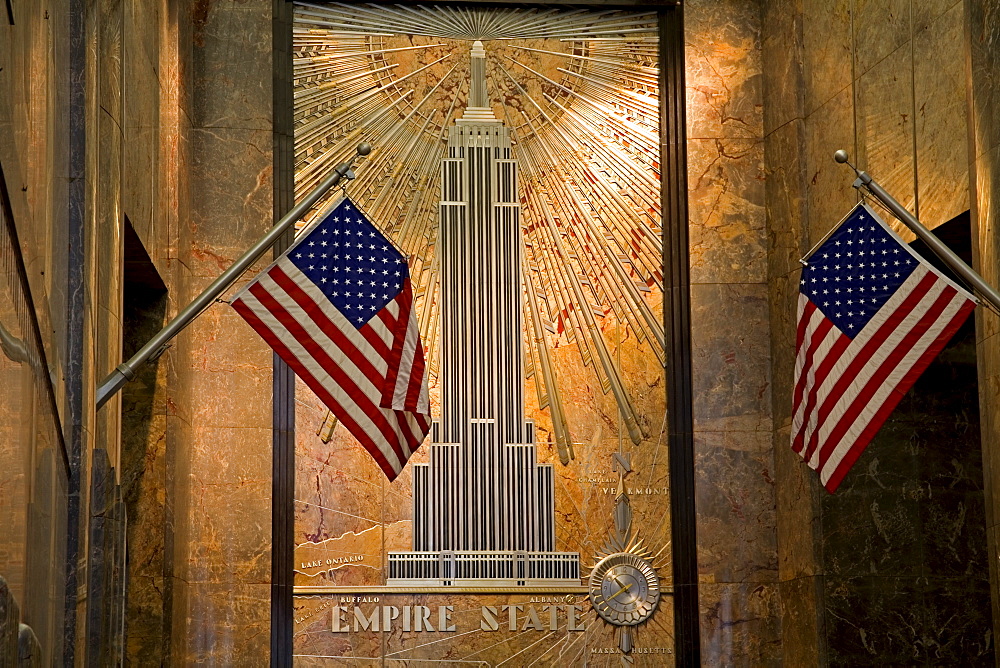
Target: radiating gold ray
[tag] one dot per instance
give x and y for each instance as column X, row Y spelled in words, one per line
column 568, row 262
column 586, row 312
column 619, row 284
column 472, row 24
column 649, row 74
column 546, row 374
column 584, row 130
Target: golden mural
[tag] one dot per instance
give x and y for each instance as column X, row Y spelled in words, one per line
column 532, row 527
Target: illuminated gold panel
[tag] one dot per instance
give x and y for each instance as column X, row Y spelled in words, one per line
column 577, row 92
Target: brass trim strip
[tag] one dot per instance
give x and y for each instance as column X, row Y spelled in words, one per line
column 382, row 589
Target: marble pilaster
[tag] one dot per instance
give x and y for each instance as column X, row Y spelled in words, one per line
column 983, row 30
column 735, row 494
column 942, row 141
column 221, row 372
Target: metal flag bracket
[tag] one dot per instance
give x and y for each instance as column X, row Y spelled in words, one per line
column 989, row 295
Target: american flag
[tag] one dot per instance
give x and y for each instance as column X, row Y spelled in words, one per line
column 337, row 307
column 872, row 316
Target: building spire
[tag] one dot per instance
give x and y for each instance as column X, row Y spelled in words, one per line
column 479, row 103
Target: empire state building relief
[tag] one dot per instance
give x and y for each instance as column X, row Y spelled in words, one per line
column 483, row 509
column 515, row 165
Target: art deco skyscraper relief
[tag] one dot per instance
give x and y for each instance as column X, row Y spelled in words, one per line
column 483, row 506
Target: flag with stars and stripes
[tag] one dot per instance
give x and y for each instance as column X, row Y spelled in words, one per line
column 337, row 307
column 872, row 315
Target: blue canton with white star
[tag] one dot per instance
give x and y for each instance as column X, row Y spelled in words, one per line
column 855, row 272
column 354, row 265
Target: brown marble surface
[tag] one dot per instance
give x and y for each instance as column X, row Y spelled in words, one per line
column 220, row 377
column 726, row 196
column 875, row 79
column 827, row 50
column 734, row 469
column 983, row 22
column 723, row 69
column 941, row 125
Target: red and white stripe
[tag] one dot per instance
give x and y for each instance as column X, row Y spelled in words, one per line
column 845, row 389
column 372, row 378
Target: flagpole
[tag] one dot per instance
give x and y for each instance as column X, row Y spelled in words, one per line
column 156, row 345
column 985, row 290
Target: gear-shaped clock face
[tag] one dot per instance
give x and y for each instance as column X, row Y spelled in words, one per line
column 624, row 589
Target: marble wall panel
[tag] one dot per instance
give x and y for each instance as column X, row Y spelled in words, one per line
column 784, row 302
column 734, row 479
column 985, row 169
column 139, row 189
column 827, row 50
column 878, row 539
column 884, row 113
column 726, row 198
column 222, row 201
column 926, row 13
column 803, row 643
column 231, row 543
column 984, row 41
column 784, row 196
column 110, row 84
column 33, row 53
column 941, row 121
column 174, row 125
column 230, row 191
column 101, row 284
column 33, row 479
column 799, row 526
column 723, row 70
column 829, row 195
column 233, row 372
column 223, row 624
column 921, row 634
column 855, row 606
column 224, row 95
column 957, row 639
column 985, row 244
column 107, row 249
column 781, row 51
column 787, row 241
column 140, row 128
column 730, row 358
column 729, row 314
column 740, row 624
column 954, row 542
column 73, row 191
column 989, row 425
column 880, row 27
column 982, row 21
column 992, row 546
column 142, row 35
